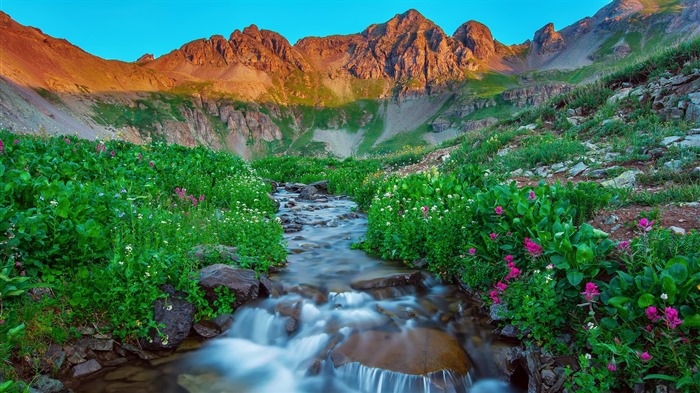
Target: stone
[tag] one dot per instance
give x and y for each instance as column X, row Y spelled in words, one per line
column 223, row 321
column 268, row 288
column 53, row 358
column 677, row 230
column 45, row 384
column 673, row 165
column 691, row 140
column 416, row 351
column 142, row 354
column 620, row 95
column 86, row 368
column 625, row 180
column 242, row 282
column 496, row 311
column 440, row 125
column 207, row 329
column 549, row 377
column 308, row 193
column 393, row 280
column 612, row 219
column 670, row 139
column 333, row 222
column 76, row 355
column 309, row 292
column 578, row 169
column 95, row 344
column 510, row 331
column 321, row 186
column 294, row 187
column 177, row 316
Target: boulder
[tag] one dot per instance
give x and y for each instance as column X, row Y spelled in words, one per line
column 242, row 282
column 86, row 368
column 177, row 316
column 308, row 193
column 416, row 352
column 44, row 384
column 625, row 180
column 321, row 186
column 392, row 280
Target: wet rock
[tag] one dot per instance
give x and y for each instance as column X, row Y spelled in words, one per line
column 309, row 292
column 114, row 362
column 223, row 321
column 321, row 186
column 53, row 358
column 44, row 384
column 510, row 331
column 548, row 377
column 242, row 282
column 76, row 355
column 207, row 329
column 177, row 316
column 393, row 280
column 419, row 263
column 294, row 187
column 417, row 351
column 219, row 252
column 86, row 368
column 268, row 288
column 333, row 222
column 142, row 354
column 291, row 227
column 308, row 193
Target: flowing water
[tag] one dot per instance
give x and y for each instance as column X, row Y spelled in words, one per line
column 346, row 322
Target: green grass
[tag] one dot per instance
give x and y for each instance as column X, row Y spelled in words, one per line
column 49, row 96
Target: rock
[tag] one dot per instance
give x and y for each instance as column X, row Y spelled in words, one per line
column 620, row 95
column 612, row 219
column 309, row 292
column 86, row 368
column 417, row 351
column 142, row 354
column 44, row 384
column 95, row 344
column 625, row 180
column 691, row 140
column 477, row 37
column 178, row 316
column 393, row 280
column 578, row 169
column 268, row 288
column 548, row 377
column 547, row 40
column 223, row 321
column 207, row 329
column 473, row 125
column 241, row 282
column 53, row 359
column 692, row 113
column 333, row 222
column 670, row 139
column 673, row 165
column 496, row 311
column 294, row 187
column 308, row 193
column 321, row 186
column 510, row 331
column 76, row 355
column 440, row 125
column 677, row 230
column 206, row 253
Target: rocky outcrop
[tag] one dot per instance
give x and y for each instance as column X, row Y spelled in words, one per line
column 479, row 124
column 477, row 37
column 547, row 40
column 535, row 94
column 469, row 107
column 241, row 282
column 145, row 58
column 676, row 97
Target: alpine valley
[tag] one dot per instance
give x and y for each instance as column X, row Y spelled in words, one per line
column 402, row 82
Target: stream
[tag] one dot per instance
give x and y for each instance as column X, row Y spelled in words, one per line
column 345, row 322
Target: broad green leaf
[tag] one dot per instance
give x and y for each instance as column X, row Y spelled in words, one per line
column 646, row 300
column 584, row 254
column 669, row 286
column 574, row 276
column 678, row 271
column 618, row 301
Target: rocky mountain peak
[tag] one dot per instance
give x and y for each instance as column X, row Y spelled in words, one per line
column 410, row 21
column 548, row 40
column 145, row 58
column 477, row 37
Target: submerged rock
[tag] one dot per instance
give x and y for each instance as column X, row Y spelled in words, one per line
column 393, row 280
column 417, row 351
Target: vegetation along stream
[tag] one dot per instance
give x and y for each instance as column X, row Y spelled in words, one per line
column 344, row 321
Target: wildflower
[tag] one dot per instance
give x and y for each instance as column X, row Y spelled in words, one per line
column 513, row 274
column 472, row 251
column 623, row 246
column 587, row 356
column 652, row 314
column 590, row 291
column 151, row 164
column 2, row 146
column 612, row 367
column 54, row 203
column 672, row 320
column 645, row 224
column 664, row 296
column 493, row 236
column 494, row 297
column 550, row 267
column 498, row 210
column 169, row 307
column 16, row 141
column 531, row 247
column 644, row 356
column 648, row 328
column 123, row 190
column 67, row 141
column 424, row 209
column 501, row 286
column 128, row 248
column 140, row 156
column 508, row 258
column 121, row 214
column 532, row 196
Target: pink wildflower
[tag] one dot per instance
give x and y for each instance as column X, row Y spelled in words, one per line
column 494, row 297
column 532, row 196
column 590, row 291
column 140, row 156
column 493, row 236
column 501, row 286
column 533, row 248
column 151, row 164
column 648, row 328
column 644, row 356
column 623, row 246
column 2, row 146
column 612, row 367
column 201, row 198
column 652, row 314
column 112, row 153
column 513, row 274
column 645, row 224
column 508, row 258
column 424, row 209
column 472, row 251
column 672, row 320
column 498, row 210
column 550, row 267
column 67, row 141
column 16, row 141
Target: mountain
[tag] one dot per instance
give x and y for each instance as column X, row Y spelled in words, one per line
column 254, row 93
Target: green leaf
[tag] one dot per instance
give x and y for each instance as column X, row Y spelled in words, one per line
column 15, row 331
column 679, row 259
column 584, row 254
column 660, row 376
column 63, row 208
column 645, row 300
column 692, row 321
column 574, row 276
column 669, row 286
column 618, row 301
column 678, row 271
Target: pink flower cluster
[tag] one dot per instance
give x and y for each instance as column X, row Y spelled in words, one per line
column 670, row 316
column 498, row 210
column 645, row 225
column 500, row 287
column 182, row 194
column 532, row 196
column 532, row 248
column 2, row 146
column 623, row 245
column 590, row 292
column 101, row 148
column 424, row 209
column 513, row 273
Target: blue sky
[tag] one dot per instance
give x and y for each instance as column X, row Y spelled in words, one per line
column 126, row 29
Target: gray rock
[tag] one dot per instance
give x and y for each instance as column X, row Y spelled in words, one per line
column 321, row 186
column 620, row 95
column 53, row 358
column 691, row 140
column 44, row 384
column 516, row 172
column 612, row 219
column 677, row 230
column 142, row 354
column 528, row 127
column 294, row 187
column 207, row 329
column 696, row 171
column 97, row 344
column 558, row 167
column 625, row 180
column 86, row 368
column 223, row 321
column 548, row 377
column 578, row 169
column 673, row 165
column 670, row 139
column 510, row 331
column 178, row 316
column 242, row 282
column 497, row 311
column 308, row 193
column 333, row 222
column 392, row 280
column 503, row 152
